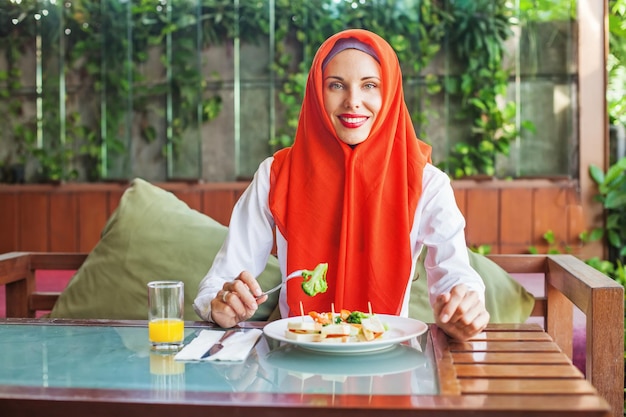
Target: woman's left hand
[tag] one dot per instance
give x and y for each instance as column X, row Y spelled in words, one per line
column 460, row 313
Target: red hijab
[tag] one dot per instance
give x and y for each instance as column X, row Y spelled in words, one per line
column 350, row 207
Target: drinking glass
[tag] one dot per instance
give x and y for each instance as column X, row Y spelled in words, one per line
column 166, row 327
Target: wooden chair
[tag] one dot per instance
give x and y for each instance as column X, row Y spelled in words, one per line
column 568, row 281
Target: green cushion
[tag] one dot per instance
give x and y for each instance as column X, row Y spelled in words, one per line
column 152, row 235
column 506, row 300
column 155, row 236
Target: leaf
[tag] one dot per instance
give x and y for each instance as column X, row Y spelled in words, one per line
column 596, row 174
column 615, row 200
column 614, row 239
column 596, row 234
column 616, row 171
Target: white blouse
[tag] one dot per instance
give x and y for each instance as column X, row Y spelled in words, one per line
column 438, row 225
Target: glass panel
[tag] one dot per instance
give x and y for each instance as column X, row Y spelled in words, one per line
column 18, row 80
column 219, row 145
column 116, row 88
column 50, row 89
column 184, row 95
column 545, row 90
column 255, row 107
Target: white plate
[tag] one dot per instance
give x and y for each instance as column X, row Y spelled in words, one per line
column 400, row 329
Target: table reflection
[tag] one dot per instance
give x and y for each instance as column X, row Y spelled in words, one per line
column 401, row 369
column 167, row 375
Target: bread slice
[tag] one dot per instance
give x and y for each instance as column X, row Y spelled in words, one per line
column 304, row 331
column 336, row 330
column 304, row 326
column 303, row 337
column 372, row 328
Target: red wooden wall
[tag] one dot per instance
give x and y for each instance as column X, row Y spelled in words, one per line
column 69, row 218
column 510, row 216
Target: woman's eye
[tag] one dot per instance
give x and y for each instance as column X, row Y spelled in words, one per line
column 335, row 86
column 370, row 85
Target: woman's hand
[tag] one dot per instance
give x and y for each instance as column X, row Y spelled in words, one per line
column 236, row 302
column 460, row 313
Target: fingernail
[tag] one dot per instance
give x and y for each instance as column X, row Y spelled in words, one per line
column 445, row 318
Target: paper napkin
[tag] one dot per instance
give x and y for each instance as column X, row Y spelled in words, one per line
column 236, row 347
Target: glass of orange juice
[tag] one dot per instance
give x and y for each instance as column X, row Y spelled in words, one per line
column 166, row 329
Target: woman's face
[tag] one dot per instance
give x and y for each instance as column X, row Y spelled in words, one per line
column 352, row 94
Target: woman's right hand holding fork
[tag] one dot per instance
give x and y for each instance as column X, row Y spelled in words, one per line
column 237, row 301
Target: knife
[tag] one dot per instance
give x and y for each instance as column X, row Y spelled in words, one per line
column 218, row 345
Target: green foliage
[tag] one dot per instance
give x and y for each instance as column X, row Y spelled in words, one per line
column 477, row 32
column 612, row 196
column 482, row 249
column 548, row 10
column 111, row 43
column 108, row 43
column 616, row 95
column 553, row 245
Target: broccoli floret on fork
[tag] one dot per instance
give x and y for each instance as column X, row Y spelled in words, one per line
column 314, row 282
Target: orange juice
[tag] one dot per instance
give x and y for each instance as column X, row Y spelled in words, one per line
column 166, row 330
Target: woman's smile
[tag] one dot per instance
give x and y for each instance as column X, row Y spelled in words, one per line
column 352, row 121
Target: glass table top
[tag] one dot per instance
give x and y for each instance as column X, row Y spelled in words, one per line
column 103, row 357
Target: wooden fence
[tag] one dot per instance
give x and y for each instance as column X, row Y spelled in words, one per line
column 510, row 216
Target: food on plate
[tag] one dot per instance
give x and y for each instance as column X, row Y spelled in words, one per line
column 336, row 332
column 347, row 326
column 304, row 331
column 372, row 328
column 354, row 316
column 315, row 281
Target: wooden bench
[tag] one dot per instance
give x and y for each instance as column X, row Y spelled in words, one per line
column 568, row 281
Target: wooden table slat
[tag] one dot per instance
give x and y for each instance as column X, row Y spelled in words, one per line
column 448, row 383
column 512, row 335
column 511, row 357
column 517, row 371
column 504, row 346
column 526, row 386
column 513, row 327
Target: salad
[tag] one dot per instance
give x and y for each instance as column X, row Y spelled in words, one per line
column 347, row 326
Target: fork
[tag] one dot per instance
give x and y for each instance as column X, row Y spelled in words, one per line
column 297, row 273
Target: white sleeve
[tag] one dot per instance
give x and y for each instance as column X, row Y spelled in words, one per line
column 248, row 242
column 442, row 230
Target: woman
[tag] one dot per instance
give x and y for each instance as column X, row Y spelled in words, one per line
column 357, row 190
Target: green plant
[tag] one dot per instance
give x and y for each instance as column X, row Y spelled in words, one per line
column 477, row 32
column 612, row 196
column 553, row 245
column 481, row 249
column 616, row 93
